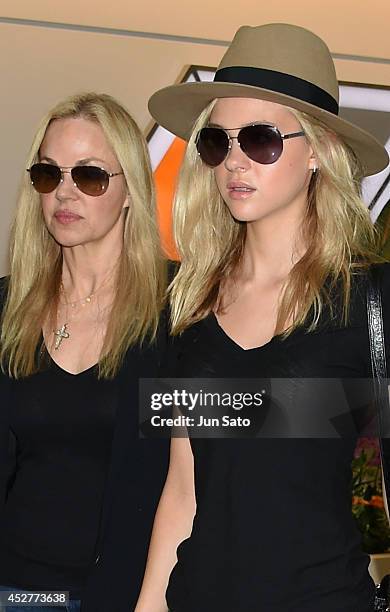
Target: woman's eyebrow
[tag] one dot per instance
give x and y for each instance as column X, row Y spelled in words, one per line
column 48, row 159
column 87, row 160
column 238, row 127
column 80, row 162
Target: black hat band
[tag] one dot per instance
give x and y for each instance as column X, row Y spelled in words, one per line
column 279, row 82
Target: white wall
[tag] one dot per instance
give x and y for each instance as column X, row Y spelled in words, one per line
column 131, row 49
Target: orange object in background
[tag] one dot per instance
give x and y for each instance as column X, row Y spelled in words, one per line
column 165, row 177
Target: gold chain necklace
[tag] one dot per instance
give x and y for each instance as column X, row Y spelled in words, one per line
column 82, row 301
column 62, row 332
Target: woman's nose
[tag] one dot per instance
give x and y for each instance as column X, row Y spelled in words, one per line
column 236, row 158
column 66, row 188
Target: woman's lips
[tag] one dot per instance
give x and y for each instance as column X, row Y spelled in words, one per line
column 66, row 216
column 239, row 191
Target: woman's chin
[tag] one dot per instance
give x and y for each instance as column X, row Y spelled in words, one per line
column 245, row 214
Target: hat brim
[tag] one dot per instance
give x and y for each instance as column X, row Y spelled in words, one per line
column 177, row 107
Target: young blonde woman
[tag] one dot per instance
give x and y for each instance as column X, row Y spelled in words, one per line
column 80, row 325
column 275, row 244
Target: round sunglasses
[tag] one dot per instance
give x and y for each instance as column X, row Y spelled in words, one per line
column 91, row 180
column 261, row 143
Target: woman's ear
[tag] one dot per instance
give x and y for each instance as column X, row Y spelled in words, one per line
column 127, row 201
column 313, row 166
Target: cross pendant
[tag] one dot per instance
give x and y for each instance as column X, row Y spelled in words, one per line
column 61, row 334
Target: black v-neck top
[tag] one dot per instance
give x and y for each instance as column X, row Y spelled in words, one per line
column 78, row 489
column 62, row 427
column 273, row 529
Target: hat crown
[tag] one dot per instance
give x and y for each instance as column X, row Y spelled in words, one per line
column 287, row 49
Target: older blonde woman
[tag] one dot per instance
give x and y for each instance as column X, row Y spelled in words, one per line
column 79, row 326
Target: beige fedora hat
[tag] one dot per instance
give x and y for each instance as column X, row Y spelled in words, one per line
column 278, row 62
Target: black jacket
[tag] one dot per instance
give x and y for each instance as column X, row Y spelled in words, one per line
column 135, row 481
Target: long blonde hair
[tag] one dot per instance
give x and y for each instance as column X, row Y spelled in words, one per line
column 337, row 230
column 36, row 259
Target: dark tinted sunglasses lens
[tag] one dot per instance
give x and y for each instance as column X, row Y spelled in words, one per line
column 90, row 180
column 212, row 145
column 261, row 143
column 45, row 177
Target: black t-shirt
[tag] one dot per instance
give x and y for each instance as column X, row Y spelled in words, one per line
column 273, row 529
column 74, row 443
column 62, row 425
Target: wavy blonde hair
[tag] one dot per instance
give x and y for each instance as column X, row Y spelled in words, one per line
column 337, row 230
column 36, row 259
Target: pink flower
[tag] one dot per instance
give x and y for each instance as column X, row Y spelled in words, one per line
column 370, row 446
